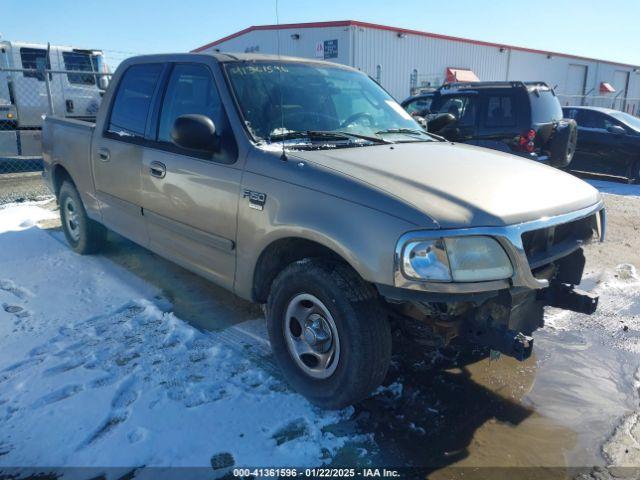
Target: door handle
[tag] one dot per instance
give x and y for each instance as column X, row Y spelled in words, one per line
column 158, row 169
column 104, row 155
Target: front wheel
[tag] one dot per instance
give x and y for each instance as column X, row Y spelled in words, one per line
column 83, row 234
column 328, row 332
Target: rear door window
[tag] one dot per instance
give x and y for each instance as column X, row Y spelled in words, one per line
column 500, row 111
column 82, row 63
column 545, row 107
column 35, row 59
column 132, row 101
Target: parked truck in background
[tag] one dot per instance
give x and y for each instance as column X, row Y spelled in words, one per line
column 25, row 97
column 302, row 185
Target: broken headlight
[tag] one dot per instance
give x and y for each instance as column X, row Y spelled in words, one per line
column 456, row 259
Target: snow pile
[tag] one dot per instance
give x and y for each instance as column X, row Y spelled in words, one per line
column 623, row 448
column 95, row 370
column 618, row 311
column 18, row 216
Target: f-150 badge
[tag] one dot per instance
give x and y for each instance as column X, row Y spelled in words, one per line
column 256, row 199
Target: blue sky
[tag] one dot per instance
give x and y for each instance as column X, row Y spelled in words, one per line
column 593, row 28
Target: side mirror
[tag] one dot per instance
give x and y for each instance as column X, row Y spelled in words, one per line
column 194, row 132
column 441, row 121
column 616, row 130
column 103, row 82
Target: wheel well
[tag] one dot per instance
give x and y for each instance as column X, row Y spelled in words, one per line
column 281, row 253
column 59, row 175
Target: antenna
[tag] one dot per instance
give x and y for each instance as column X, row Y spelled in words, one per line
column 283, row 157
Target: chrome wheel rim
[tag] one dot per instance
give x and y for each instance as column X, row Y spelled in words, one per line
column 311, row 336
column 71, row 218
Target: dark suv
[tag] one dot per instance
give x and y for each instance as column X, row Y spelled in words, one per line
column 524, row 118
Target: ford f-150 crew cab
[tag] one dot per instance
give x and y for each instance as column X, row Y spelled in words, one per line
column 302, row 185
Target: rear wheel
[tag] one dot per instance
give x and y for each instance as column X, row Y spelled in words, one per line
column 563, row 144
column 328, row 332
column 83, row 234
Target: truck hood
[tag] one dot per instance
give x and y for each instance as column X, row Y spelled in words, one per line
column 460, row 185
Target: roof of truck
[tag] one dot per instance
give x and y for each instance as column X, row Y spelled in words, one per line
column 224, row 57
column 21, row 44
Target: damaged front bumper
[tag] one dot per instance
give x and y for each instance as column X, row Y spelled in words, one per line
column 548, row 263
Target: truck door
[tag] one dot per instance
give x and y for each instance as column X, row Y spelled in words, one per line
column 29, row 88
column 190, row 199
column 80, row 92
column 117, row 150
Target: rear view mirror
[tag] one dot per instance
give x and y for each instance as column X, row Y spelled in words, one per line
column 194, row 132
column 616, row 130
column 103, row 82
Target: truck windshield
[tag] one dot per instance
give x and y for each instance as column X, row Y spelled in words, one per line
column 286, row 101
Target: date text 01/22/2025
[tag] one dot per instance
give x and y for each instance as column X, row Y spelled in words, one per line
column 316, row 472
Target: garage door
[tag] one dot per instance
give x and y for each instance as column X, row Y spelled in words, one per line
column 620, row 83
column 575, row 86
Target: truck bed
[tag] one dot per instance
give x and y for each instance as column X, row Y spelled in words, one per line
column 68, row 142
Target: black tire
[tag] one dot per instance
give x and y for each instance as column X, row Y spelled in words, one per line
column 84, row 235
column 563, row 144
column 362, row 329
column 634, row 173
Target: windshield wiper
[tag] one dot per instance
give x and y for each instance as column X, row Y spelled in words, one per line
column 405, row 131
column 324, row 135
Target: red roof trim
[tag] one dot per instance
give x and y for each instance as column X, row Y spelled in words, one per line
column 347, row 23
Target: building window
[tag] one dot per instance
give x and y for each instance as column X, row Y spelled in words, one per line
column 378, row 73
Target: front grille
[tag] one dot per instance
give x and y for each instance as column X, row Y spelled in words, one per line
column 548, row 244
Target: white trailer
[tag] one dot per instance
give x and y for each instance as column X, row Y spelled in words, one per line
column 38, row 80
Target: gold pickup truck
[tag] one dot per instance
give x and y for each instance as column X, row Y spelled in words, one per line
column 304, row 186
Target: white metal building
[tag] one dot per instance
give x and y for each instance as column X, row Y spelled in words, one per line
column 404, row 60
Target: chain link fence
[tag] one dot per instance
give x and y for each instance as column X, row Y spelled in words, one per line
column 27, row 95
column 616, row 102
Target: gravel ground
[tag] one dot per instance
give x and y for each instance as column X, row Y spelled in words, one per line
column 21, row 187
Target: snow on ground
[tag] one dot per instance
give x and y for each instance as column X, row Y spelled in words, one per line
column 618, row 311
column 616, row 188
column 95, row 370
column 623, row 448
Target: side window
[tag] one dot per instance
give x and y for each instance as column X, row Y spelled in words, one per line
column 418, row 105
column 570, row 113
column 590, row 119
column 80, row 62
column 133, row 98
column 610, row 122
column 36, row 59
column 191, row 89
column 500, row 111
column 463, row 107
